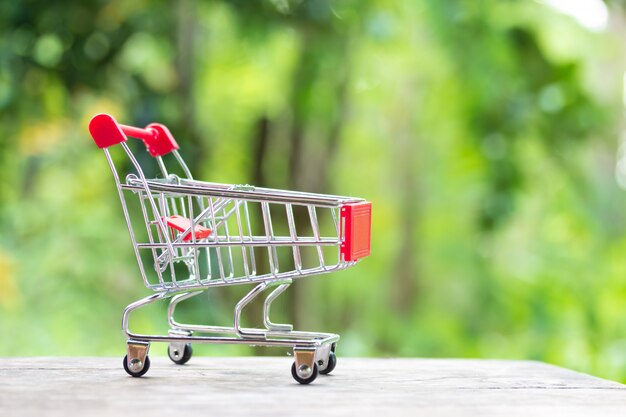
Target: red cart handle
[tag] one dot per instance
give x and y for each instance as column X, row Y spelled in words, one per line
column 107, row 132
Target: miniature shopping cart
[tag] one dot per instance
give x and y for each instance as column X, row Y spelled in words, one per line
column 189, row 236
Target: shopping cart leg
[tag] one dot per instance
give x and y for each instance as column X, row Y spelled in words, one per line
column 239, row 308
column 179, row 352
column 266, row 309
column 136, row 361
column 172, row 308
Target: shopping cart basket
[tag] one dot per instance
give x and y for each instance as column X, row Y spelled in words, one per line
column 189, row 236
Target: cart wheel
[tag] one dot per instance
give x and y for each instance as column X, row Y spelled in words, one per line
column 332, row 362
column 178, row 357
column 139, row 373
column 310, row 378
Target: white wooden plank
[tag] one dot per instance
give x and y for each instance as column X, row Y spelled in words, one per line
column 264, row 387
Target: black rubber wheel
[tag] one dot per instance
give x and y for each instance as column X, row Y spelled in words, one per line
column 332, row 362
column 304, row 380
column 181, row 359
column 143, row 371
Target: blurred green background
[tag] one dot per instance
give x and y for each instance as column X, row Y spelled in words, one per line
column 485, row 133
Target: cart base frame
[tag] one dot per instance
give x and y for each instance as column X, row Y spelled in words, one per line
column 314, row 352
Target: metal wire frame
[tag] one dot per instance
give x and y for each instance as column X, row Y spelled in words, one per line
column 222, row 208
column 213, row 260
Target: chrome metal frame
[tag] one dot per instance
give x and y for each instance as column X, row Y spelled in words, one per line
column 240, row 218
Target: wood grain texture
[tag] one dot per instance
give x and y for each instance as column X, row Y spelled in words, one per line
column 264, row 387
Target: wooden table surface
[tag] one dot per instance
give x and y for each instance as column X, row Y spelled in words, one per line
column 264, row 387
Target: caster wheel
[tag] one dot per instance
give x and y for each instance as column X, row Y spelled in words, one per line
column 332, row 362
column 138, row 373
column 178, row 357
column 304, row 380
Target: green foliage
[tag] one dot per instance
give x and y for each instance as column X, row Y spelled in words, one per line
column 484, row 133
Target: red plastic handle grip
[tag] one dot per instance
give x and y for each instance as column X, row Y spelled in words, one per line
column 107, row 132
column 136, row 132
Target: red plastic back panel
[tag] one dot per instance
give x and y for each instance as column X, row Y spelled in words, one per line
column 162, row 143
column 105, row 131
column 357, row 225
column 183, row 223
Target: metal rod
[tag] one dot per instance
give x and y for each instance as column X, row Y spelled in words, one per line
column 239, row 308
column 267, row 305
column 316, row 233
column 297, row 258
